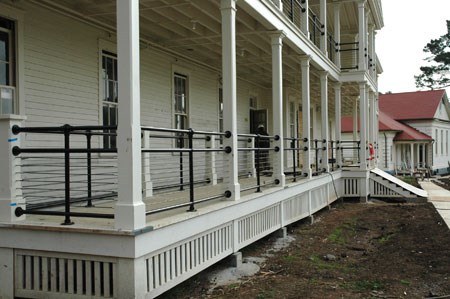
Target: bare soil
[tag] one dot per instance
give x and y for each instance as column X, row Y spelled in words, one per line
column 374, row 250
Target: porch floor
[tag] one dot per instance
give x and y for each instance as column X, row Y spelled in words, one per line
column 157, row 201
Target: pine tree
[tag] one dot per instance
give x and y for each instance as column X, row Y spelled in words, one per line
column 437, row 74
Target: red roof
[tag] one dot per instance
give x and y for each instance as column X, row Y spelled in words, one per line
column 386, row 123
column 411, row 105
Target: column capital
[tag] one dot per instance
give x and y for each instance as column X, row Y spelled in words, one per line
column 361, row 3
column 306, row 59
column 228, row 4
column 337, row 85
column 277, row 37
column 337, row 5
column 323, row 75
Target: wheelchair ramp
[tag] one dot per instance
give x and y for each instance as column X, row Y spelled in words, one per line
column 384, row 185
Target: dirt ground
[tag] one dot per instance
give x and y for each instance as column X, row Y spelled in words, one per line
column 374, row 251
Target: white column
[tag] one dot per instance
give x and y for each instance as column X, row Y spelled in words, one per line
column 424, row 159
column 377, row 132
column 305, row 19
column 337, row 117
column 412, row 157
column 10, row 182
column 325, row 135
column 337, row 32
column 306, row 117
column 363, row 125
column 129, row 210
column 277, row 104
column 362, row 35
column 394, row 156
column 355, row 130
column 323, row 20
column 228, row 10
column 371, row 124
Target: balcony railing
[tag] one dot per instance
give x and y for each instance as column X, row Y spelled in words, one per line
column 71, row 171
column 332, row 47
column 316, row 29
column 64, row 172
column 349, row 56
column 294, row 10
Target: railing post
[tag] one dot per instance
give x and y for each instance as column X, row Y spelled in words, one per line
column 67, row 130
column 89, row 168
column 181, row 173
column 293, row 159
column 210, row 142
column 332, row 154
column 316, row 149
column 191, row 170
column 10, row 184
column 258, row 164
column 147, row 184
column 252, row 160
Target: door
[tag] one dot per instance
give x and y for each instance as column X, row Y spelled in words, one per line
column 257, row 117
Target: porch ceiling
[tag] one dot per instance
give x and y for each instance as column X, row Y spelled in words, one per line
column 191, row 29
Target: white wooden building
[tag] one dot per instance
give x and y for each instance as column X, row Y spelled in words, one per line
column 190, row 81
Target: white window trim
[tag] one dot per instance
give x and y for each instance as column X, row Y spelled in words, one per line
column 177, row 69
column 18, row 16
column 103, row 45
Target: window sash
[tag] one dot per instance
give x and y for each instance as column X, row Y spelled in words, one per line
column 110, row 97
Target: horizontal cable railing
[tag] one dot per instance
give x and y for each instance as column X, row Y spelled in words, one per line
column 257, row 155
column 316, row 28
column 69, row 169
column 332, row 46
column 294, row 10
column 179, row 160
column 350, row 150
column 349, row 56
column 294, row 153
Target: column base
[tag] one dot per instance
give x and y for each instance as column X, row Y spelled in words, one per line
column 129, row 217
column 233, row 192
column 7, row 273
column 236, row 259
column 281, row 233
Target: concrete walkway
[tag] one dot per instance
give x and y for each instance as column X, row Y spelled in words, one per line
column 440, row 198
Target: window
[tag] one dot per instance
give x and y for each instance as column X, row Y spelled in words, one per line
column 109, row 96
column 7, row 67
column 181, row 103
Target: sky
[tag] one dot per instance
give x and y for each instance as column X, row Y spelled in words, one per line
column 408, row 26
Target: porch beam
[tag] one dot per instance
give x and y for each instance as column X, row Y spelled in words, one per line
column 306, row 116
column 277, row 102
column 337, row 119
column 324, row 113
column 129, row 210
column 228, row 13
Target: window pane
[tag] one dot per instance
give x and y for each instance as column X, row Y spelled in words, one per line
column 4, row 73
column 110, row 93
column 4, row 50
column 7, row 101
column 105, row 115
column 109, row 68
column 113, row 116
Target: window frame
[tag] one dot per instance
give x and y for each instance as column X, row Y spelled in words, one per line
column 17, row 17
column 180, row 72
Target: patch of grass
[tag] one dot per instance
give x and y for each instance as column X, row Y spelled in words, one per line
column 339, row 234
column 321, row 264
column 385, row 238
column 266, row 294
column 363, row 285
column 405, row 282
column 290, row 258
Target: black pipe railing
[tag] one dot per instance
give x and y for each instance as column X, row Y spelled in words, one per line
column 262, row 164
column 316, row 28
column 332, row 46
column 350, row 152
column 349, row 56
column 179, row 147
column 42, row 189
column 296, row 152
column 294, row 10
